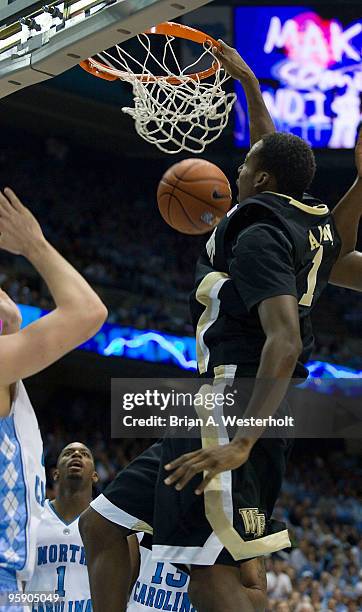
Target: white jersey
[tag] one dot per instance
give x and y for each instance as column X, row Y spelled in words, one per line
column 159, row 586
column 60, row 565
column 22, row 485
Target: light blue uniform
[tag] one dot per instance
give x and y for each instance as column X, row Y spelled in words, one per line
column 22, row 493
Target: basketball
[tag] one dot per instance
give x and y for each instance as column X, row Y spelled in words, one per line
column 193, row 196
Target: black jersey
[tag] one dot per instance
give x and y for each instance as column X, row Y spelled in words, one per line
column 268, row 245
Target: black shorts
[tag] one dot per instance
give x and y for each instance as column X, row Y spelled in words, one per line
column 229, row 524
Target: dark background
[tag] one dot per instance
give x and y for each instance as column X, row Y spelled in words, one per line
column 75, row 159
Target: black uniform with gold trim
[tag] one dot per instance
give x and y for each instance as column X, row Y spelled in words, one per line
column 269, row 245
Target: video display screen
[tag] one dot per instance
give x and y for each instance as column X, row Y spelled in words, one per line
column 310, row 70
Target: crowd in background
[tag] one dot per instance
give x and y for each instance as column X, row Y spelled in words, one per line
column 103, row 217
column 105, row 220
column 320, row 503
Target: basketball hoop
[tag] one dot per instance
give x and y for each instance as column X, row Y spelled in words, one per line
column 176, row 109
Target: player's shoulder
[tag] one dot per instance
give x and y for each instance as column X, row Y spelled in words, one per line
column 48, row 513
column 19, row 394
column 266, row 229
column 22, row 409
column 310, row 199
column 268, row 206
column 308, row 204
column 49, row 523
column 266, row 235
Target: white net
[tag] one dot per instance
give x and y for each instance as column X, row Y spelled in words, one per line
column 177, row 111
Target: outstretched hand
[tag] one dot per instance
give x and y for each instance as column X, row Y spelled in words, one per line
column 19, row 230
column 233, row 63
column 212, row 461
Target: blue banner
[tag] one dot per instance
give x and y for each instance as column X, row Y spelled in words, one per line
column 153, row 346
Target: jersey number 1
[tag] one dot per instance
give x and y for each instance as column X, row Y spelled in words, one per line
column 61, row 575
column 307, row 298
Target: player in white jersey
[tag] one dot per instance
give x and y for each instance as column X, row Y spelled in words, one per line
column 159, row 585
column 60, row 565
column 78, row 315
column 22, row 485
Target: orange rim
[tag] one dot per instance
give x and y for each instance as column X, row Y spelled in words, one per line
column 169, row 28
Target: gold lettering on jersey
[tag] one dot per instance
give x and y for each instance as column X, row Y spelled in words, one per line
column 254, row 521
column 211, row 247
column 314, row 244
column 325, row 235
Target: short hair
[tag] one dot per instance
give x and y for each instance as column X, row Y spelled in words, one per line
column 69, row 444
column 290, row 159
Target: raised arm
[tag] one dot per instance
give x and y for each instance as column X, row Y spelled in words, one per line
column 260, row 121
column 79, row 312
column 347, row 271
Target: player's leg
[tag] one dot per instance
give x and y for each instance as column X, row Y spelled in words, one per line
column 218, row 588
column 221, row 587
column 126, row 505
column 235, row 512
column 253, row 582
column 108, row 561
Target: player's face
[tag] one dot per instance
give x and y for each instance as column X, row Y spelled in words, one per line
column 75, row 462
column 252, row 179
column 247, row 170
column 10, row 317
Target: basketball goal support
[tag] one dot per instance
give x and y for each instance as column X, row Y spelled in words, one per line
column 43, row 42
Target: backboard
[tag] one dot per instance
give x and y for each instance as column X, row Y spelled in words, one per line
column 40, row 40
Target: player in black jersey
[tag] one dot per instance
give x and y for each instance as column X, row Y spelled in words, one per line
column 261, row 273
column 266, row 244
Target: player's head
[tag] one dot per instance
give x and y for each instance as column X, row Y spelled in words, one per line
column 10, row 317
column 279, row 162
column 75, row 466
